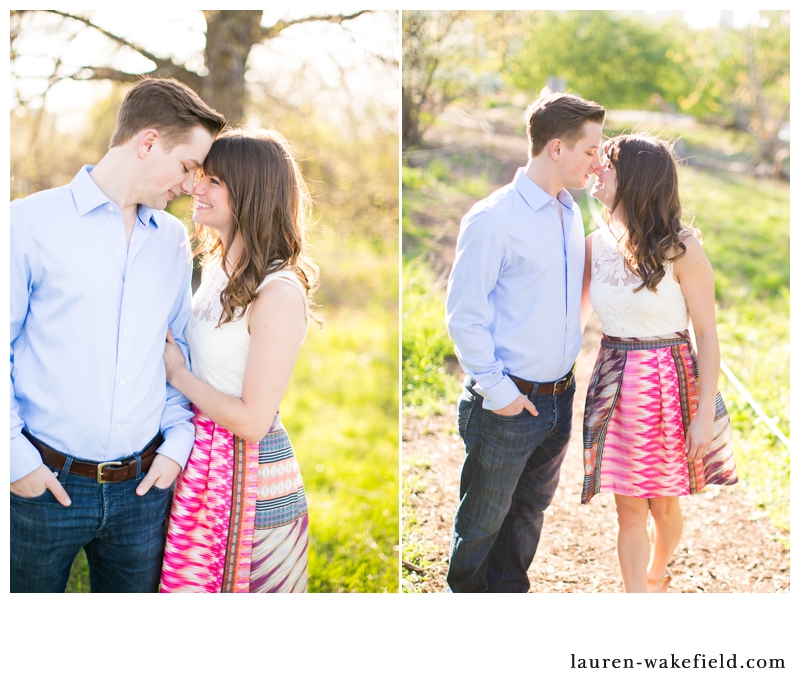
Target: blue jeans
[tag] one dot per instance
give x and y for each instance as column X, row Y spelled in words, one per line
column 122, row 533
column 508, row 479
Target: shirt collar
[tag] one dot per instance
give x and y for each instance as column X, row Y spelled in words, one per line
column 148, row 216
column 88, row 196
column 534, row 196
column 86, row 193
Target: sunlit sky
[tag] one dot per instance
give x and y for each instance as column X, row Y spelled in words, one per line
column 704, row 18
column 322, row 46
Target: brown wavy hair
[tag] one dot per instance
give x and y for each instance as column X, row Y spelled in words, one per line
column 271, row 208
column 648, row 204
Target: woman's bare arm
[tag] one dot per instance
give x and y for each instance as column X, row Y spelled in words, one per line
column 693, row 272
column 277, row 325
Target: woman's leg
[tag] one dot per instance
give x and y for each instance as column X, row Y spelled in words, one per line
column 633, row 545
column 668, row 520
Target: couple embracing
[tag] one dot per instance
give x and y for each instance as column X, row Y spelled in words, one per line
column 523, row 284
column 108, row 422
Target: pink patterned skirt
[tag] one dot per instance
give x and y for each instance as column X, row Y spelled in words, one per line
column 239, row 519
column 641, row 399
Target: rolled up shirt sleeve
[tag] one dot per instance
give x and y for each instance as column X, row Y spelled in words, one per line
column 481, row 254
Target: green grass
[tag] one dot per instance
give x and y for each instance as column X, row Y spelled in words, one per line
column 355, row 275
column 427, row 385
column 443, row 172
column 79, row 575
column 745, row 223
column 704, row 140
column 444, row 184
column 429, row 195
column 342, row 413
column 755, row 345
column 420, row 189
column 427, row 349
column 416, row 550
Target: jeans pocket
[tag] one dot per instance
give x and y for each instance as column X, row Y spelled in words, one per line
column 464, row 412
column 156, row 490
column 31, row 500
column 503, row 417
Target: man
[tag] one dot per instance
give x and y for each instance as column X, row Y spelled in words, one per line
column 98, row 274
column 513, row 311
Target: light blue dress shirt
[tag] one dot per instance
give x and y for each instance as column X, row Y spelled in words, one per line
column 514, row 295
column 89, row 318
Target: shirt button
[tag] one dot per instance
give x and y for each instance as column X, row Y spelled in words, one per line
column 122, row 381
column 552, row 202
column 570, row 326
column 125, row 335
column 118, row 426
column 122, row 240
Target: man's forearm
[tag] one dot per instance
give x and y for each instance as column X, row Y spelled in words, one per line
column 476, row 354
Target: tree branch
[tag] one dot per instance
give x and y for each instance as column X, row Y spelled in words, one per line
column 389, row 61
column 104, row 74
column 112, row 36
column 273, row 31
column 163, row 66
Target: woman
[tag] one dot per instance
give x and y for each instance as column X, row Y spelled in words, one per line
column 655, row 427
column 239, row 519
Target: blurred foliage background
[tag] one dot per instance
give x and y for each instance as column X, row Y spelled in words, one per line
column 329, row 84
column 734, row 77
column 720, row 91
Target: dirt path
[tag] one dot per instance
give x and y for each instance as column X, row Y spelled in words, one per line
column 727, row 546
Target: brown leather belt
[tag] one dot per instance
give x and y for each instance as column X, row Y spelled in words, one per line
column 561, row 385
column 103, row 472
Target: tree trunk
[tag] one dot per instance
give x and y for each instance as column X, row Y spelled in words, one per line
column 410, row 122
column 230, row 36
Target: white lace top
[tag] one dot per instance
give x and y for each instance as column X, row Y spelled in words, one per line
column 219, row 355
column 625, row 313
